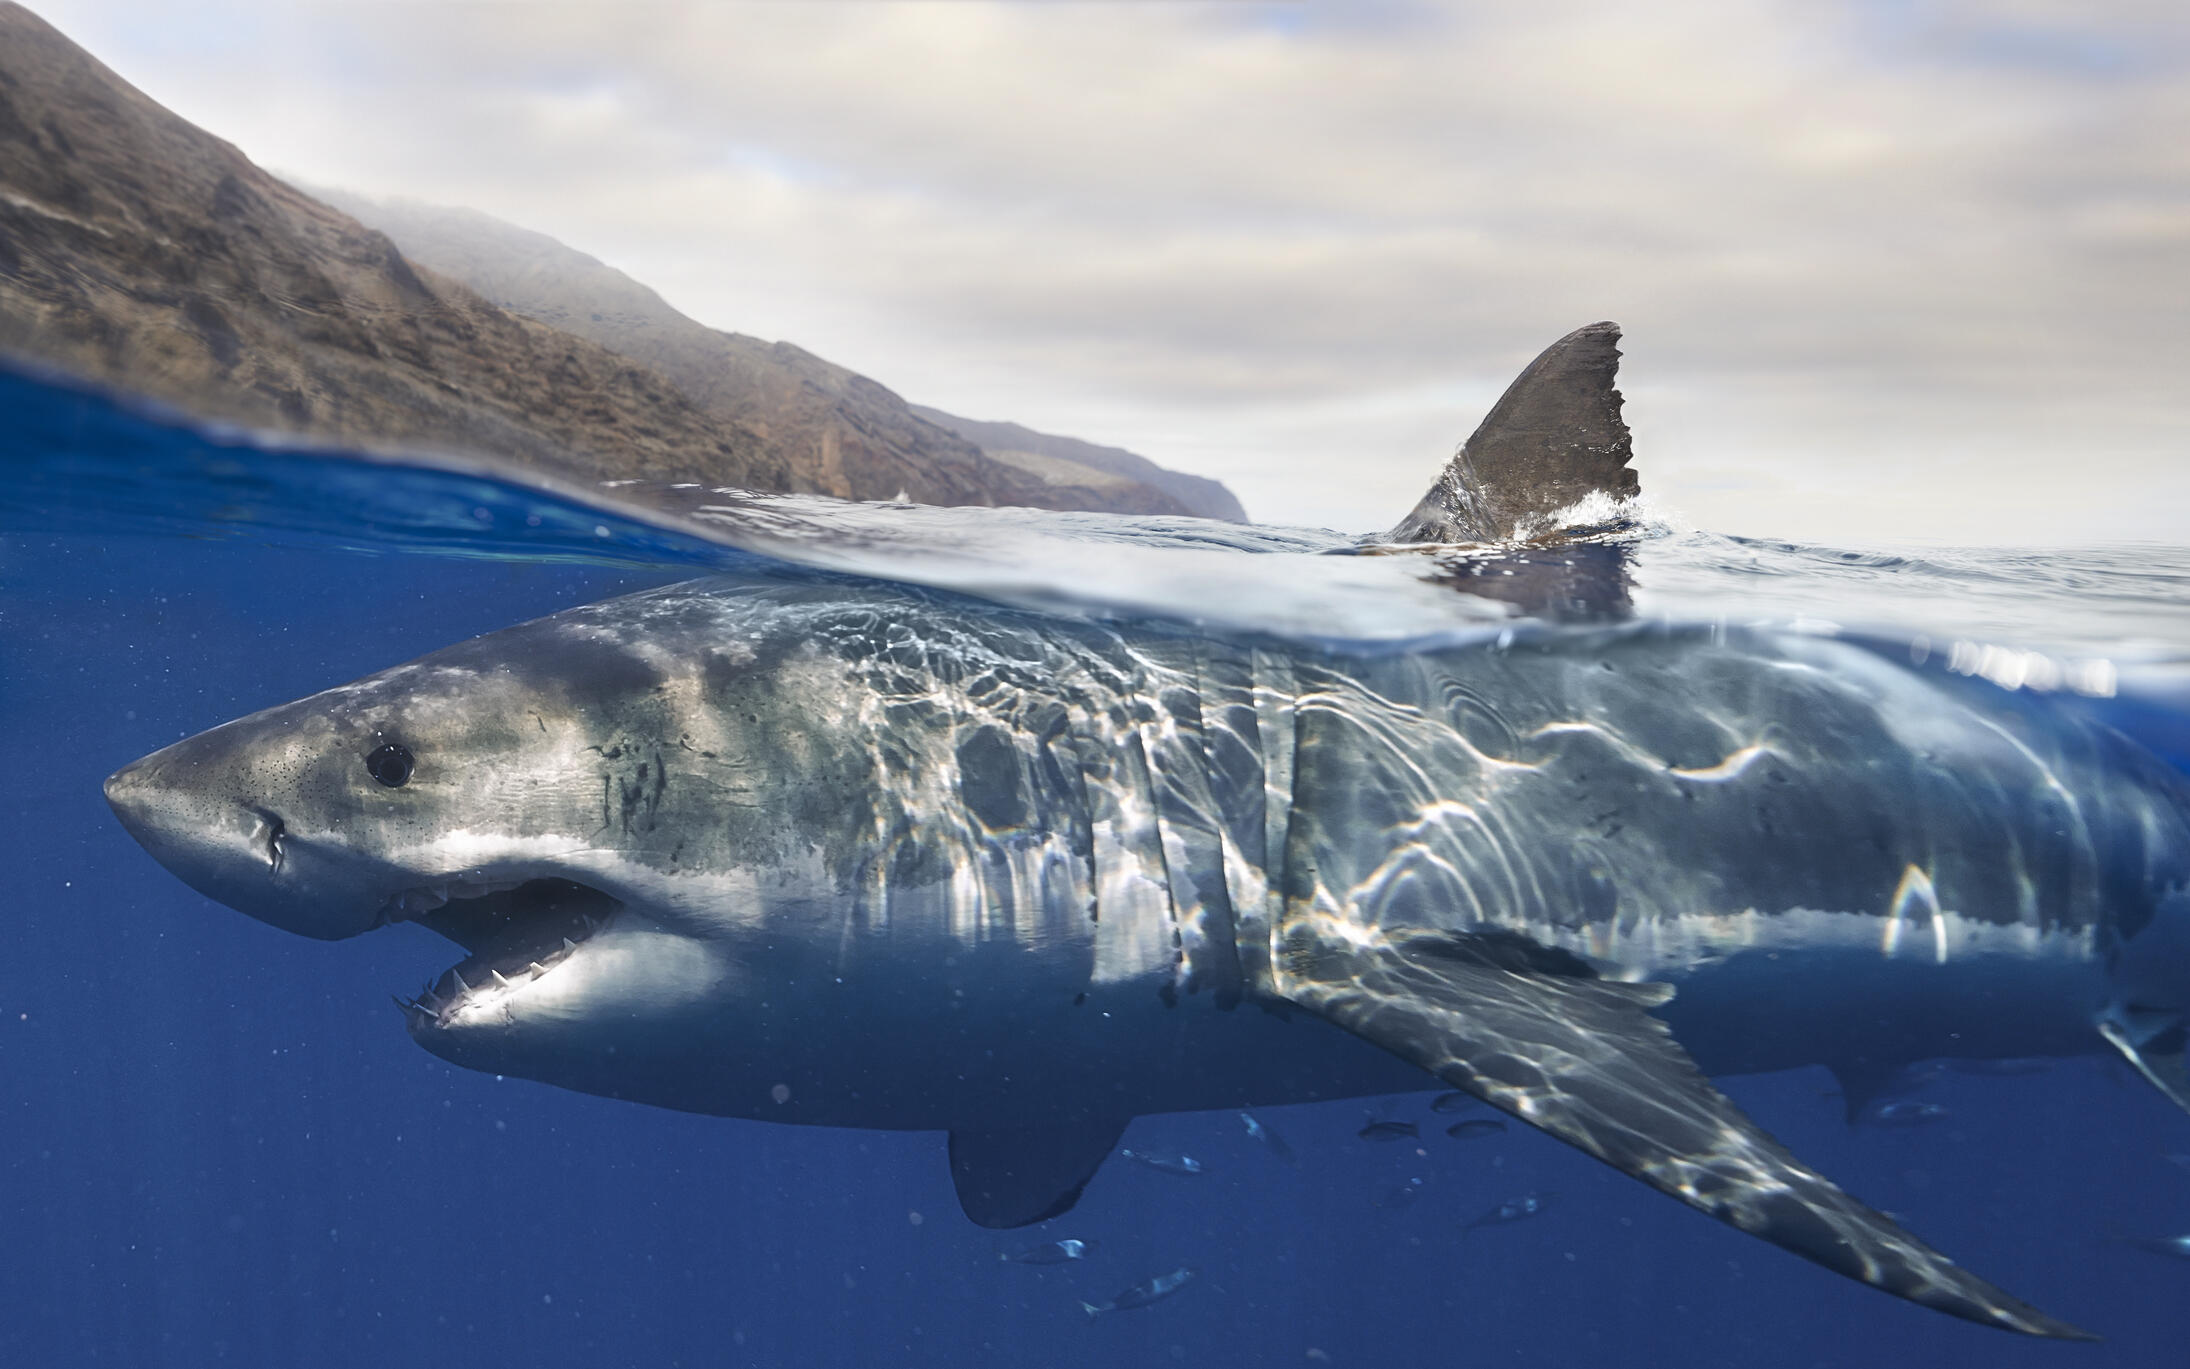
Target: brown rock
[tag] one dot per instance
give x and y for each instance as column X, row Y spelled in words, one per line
column 843, row 433
column 141, row 252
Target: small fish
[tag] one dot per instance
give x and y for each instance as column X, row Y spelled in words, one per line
column 1909, row 1114
column 1274, row 1142
column 1048, row 1252
column 1454, row 1102
column 1390, row 1131
column 1474, row 1129
column 1168, row 1163
column 1513, row 1210
column 2177, row 1246
column 1142, row 1294
column 1400, row 1196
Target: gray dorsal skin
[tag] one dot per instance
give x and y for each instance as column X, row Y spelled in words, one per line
column 1554, row 438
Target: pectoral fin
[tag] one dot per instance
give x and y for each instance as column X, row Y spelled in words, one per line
column 1023, row 1175
column 1530, row 1032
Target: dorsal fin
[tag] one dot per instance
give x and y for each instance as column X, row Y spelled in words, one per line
column 1554, row 437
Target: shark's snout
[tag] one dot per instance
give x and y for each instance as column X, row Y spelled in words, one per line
column 125, row 794
column 152, row 808
column 179, row 819
column 230, row 846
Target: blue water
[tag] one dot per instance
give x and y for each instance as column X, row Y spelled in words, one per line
column 218, row 1146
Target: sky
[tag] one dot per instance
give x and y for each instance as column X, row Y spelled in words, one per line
column 1894, row 270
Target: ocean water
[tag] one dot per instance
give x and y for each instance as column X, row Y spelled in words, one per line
column 218, row 1146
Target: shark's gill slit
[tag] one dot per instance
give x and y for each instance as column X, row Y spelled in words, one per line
column 515, row 933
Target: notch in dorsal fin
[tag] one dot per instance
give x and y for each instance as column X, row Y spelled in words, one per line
column 1583, row 1059
column 1554, row 438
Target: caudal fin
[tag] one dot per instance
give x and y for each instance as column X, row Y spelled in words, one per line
column 1554, row 438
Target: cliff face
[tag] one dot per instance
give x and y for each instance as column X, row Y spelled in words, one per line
column 139, row 251
column 843, row 432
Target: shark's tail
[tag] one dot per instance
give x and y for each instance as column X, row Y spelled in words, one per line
column 1553, row 439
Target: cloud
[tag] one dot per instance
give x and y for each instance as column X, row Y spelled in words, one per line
column 1903, row 262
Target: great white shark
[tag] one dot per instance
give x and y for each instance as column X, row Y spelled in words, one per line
column 852, row 853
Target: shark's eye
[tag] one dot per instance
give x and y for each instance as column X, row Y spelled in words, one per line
column 391, row 765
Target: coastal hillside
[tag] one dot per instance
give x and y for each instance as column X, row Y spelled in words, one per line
column 1071, row 458
column 141, row 252
column 856, row 437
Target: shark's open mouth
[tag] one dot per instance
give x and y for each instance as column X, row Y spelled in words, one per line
column 516, row 933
